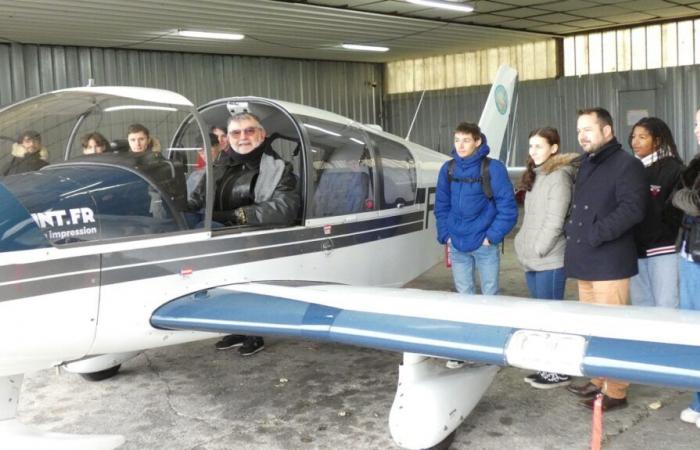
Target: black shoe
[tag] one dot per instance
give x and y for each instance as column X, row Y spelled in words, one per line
column 251, row 346
column 532, row 377
column 546, row 380
column 609, row 403
column 587, row 390
column 230, row 341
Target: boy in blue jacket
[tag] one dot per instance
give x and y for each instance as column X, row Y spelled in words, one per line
column 470, row 222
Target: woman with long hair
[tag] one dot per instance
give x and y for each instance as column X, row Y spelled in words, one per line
column 656, row 284
column 539, row 244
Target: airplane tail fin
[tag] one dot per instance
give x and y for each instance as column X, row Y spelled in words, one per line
column 499, row 104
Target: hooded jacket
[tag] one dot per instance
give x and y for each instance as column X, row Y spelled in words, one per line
column 463, row 212
column 29, row 162
column 610, row 196
column 540, row 242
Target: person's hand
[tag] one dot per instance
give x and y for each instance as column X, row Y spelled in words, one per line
column 486, row 242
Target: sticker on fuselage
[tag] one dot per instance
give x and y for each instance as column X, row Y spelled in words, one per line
column 65, row 223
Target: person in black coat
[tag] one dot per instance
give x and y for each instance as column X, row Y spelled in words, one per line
column 30, row 160
column 609, row 200
column 257, row 187
column 656, row 284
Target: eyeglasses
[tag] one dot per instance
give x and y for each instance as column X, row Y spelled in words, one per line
column 246, row 132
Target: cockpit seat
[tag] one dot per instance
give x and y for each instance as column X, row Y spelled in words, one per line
column 343, row 187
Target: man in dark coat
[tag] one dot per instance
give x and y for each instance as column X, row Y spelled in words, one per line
column 254, row 187
column 609, row 200
column 30, row 159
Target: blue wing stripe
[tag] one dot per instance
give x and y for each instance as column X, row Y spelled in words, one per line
column 643, row 362
column 226, row 311
column 229, row 311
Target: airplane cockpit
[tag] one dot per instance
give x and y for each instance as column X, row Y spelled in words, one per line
column 343, row 170
column 75, row 197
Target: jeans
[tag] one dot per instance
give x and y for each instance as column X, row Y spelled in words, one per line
column 689, row 272
column 546, row 284
column 487, row 261
column 657, row 282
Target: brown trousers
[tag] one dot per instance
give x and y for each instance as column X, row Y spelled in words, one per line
column 613, row 292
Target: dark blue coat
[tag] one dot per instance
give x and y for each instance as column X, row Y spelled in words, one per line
column 609, row 200
column 462, row 210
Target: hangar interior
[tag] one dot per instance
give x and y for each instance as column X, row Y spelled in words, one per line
column 629, row 57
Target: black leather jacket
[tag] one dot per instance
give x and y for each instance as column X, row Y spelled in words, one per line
column 260, row 186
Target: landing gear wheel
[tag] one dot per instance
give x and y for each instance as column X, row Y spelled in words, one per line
column 445, row 443
column 102, row 374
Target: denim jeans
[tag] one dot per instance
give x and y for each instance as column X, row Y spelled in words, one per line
column 486, row 259
column 656, row 284
column 546, row 284
column 689, row 272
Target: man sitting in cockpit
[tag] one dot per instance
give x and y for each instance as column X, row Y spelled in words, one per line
column 254, row 186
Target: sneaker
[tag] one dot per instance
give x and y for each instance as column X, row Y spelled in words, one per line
column 251, row 346
column 230, row 341
column 532, row 377
column 689, row 415
column 546, row 380
column 454, row 364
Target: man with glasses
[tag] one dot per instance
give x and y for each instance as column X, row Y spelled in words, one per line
column 253, row 187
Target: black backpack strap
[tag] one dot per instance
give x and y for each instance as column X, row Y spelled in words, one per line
column 486, row 177
column 450, row 170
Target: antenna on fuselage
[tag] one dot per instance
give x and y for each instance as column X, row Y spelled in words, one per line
column 415, row 115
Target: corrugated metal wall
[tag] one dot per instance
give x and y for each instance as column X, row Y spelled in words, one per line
column 551, row 102
column 342, row 87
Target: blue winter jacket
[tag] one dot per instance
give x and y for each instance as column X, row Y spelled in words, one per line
column 464, row 213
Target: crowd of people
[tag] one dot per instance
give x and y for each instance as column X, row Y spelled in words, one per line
column 626, row 227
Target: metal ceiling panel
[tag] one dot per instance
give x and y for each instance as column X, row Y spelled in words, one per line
column 567, row 5
column 314, row 29
column 520, row 13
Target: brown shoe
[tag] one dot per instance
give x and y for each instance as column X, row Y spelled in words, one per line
column 609, row 403
column 585, row 391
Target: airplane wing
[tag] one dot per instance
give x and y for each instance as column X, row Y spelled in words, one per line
column 644, row 345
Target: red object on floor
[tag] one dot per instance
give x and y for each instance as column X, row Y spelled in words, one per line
column 597, row 425
column 448, row 256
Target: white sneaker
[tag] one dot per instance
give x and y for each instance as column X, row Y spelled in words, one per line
column 691, row 416
column 454, row 364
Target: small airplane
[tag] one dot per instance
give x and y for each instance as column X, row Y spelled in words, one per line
column 100, row 261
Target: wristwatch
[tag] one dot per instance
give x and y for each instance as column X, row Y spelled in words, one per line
column 241, row 219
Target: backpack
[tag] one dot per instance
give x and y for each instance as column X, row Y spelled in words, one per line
column 484, row 179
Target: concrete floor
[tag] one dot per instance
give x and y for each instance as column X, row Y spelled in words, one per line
column 306, row 395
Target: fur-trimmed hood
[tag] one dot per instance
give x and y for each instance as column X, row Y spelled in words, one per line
column 19, row 152
column 558, row 161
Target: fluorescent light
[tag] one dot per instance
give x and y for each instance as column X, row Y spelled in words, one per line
column 208, row 35
column 444, row 4
column 365, row 48
column 152, row 107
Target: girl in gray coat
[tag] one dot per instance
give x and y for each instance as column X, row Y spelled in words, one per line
column 540, row 243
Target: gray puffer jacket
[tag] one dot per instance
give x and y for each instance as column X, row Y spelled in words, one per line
column 540, row 242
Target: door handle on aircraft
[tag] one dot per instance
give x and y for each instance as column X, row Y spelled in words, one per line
column 327, row 246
